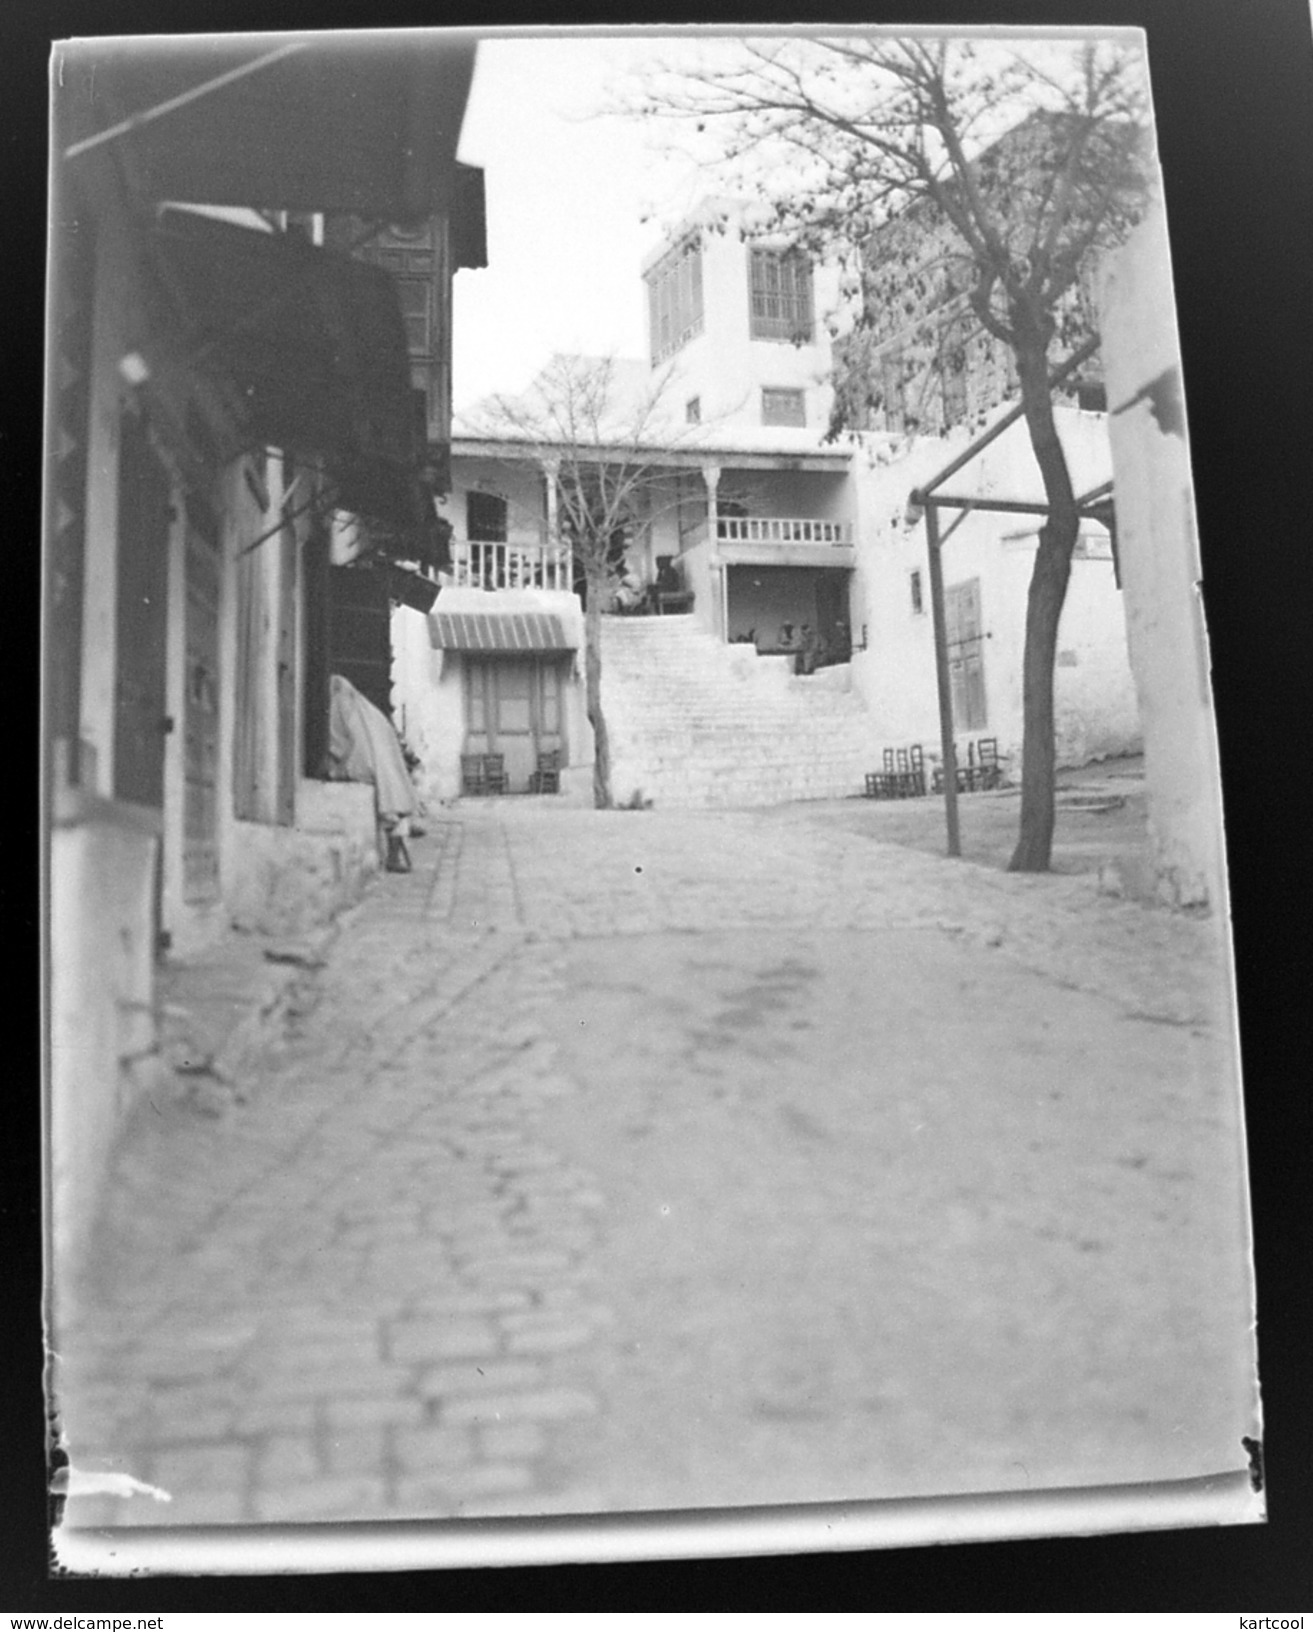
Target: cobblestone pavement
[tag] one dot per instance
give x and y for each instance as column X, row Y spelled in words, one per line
column 642, row 1159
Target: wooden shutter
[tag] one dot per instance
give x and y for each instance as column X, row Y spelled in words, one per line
column 200, row 826
column 141, row 620
column 966, row 663
column 285, row 658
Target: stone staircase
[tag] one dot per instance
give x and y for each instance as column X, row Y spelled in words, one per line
column 695, row 723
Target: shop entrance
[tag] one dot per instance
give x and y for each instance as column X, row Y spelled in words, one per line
column 513, row 708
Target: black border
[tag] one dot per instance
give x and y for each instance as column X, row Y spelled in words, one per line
column 1233, row 85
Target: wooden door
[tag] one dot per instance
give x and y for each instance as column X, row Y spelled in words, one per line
column 141, row 619
column 966, row 657
column 511, row 720
column 360, row 636
column 514, row 709
column 200, row 823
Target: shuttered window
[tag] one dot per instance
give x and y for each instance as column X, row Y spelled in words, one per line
column 674, row 297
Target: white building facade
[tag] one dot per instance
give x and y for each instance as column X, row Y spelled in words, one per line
column 791, row 549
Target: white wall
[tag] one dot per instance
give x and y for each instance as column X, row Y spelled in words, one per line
column 1161, row 569
column 520, row 484
column 428, row 686
column 114, row 333
column 101, row 975
column 1094, row 695
column 723, row 366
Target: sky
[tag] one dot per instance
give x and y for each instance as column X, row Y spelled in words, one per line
column 566, row 193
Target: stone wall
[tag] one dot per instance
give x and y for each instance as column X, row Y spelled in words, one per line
column 287, row 880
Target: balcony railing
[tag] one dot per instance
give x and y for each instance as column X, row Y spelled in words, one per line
column 781, row 530
column 476, row 565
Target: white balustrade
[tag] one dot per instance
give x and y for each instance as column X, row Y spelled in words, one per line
column 781, row 530
column 479, row 565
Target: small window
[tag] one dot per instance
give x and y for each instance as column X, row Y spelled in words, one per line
column 779, row 407
column 918, row 605
column 485, row 518
column 1092, row 398
column 693, row 410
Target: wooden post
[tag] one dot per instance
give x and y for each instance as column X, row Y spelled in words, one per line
column 941, row 676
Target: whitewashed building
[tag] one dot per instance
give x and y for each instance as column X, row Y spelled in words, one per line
column 804, row 646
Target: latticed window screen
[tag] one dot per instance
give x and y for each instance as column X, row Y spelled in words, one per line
column 417, row 309
column 674, row 294
column 781, row 290
column 781, row 407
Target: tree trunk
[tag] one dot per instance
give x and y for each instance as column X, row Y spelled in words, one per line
column 1048, row 591
column 595, row 587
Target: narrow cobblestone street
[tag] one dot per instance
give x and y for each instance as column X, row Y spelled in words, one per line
column 649, row 1159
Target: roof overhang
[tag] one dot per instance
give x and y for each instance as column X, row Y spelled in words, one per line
column 314, row 348
column 786, row 555
column 357, row 123
column 506, row 632
column 684, row 458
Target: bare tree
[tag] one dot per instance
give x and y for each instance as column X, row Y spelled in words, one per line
column 598, row 434
column 894, row 155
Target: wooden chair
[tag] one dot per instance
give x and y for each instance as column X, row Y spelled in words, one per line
column 547, row 778
column 988, row 771
column 482, row 774
column 916, row 761
column 882, row 784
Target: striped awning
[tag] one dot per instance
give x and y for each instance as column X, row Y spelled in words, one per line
column 498, row 632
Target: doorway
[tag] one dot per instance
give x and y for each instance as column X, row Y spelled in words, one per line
column 770, row 606
column 513, row 707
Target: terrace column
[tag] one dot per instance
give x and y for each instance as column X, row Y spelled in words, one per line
column 719, row 581
column 711, row 480
column 552, row 574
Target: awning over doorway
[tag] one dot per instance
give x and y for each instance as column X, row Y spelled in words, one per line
column 499, row 632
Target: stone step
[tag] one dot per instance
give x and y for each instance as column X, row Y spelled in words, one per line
column 696, row 724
